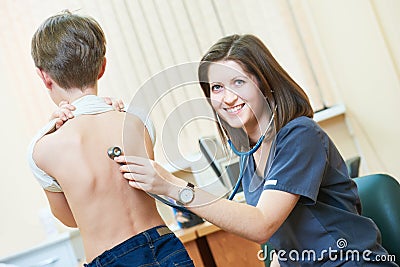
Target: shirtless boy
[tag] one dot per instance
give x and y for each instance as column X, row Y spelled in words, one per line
column 84, row 187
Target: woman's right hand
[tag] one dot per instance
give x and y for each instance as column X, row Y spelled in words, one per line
column 147, row 175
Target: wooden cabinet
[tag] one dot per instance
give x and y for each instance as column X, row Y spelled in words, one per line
column 189, row 239
column 210, row 246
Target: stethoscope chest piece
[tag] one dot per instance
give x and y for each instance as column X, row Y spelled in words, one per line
column 114, row 151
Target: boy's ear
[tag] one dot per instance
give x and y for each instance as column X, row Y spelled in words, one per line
column 102, row 68
column 48, row 82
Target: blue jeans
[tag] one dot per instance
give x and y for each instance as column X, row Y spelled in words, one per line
column 157, row 246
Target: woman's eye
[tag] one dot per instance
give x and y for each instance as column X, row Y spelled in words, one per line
column 216, row 88
column 239, row 82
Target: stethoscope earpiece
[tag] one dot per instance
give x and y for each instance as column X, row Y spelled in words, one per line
column 114, row 151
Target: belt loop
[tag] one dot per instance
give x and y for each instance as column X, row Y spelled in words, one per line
column 149, row 240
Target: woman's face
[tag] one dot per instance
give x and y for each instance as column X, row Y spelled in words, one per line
column 235, row 95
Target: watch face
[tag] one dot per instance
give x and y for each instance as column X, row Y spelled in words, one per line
column 186, row 195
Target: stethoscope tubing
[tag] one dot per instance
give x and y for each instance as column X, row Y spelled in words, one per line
column 242, row 161
column 172, row 205
column 243, row 156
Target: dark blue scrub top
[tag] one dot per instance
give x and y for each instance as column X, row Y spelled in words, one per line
column 326, row 217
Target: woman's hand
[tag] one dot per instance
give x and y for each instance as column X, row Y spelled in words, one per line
column 149, row 176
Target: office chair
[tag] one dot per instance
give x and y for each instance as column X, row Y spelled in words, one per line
column 380, row 200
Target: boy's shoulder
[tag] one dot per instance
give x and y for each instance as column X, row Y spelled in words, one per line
column 53, row 148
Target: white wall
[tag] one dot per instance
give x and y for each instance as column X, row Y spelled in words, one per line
column 361, row 43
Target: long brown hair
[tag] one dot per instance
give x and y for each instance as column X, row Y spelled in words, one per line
column 285, row 97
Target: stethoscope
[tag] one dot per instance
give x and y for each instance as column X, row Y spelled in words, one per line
column 243, row 156
column 116, row 151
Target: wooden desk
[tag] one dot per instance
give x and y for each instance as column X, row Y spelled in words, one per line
column 210, row 246
column 189, row 239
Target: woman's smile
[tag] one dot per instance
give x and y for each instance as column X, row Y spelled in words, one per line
column 235, row 109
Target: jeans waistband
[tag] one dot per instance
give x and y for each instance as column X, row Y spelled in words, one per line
column 135, row 242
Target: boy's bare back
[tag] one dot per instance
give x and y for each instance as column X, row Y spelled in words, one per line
column 106, row 210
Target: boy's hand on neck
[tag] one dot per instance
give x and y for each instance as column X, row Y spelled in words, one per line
column 63, row 113
column 64, row 110
column 117, row 104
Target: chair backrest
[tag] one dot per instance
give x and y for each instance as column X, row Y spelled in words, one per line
column 380, row 200
column 353, row 166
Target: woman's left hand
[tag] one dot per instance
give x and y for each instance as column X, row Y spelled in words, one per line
column 149, row 176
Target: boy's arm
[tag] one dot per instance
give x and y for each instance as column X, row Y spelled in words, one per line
column 60, row 208
column 57, row 200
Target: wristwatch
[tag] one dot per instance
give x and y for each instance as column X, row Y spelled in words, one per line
column 186, row 194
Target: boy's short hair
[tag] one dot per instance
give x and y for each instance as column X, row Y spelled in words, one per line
column 70, row 48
